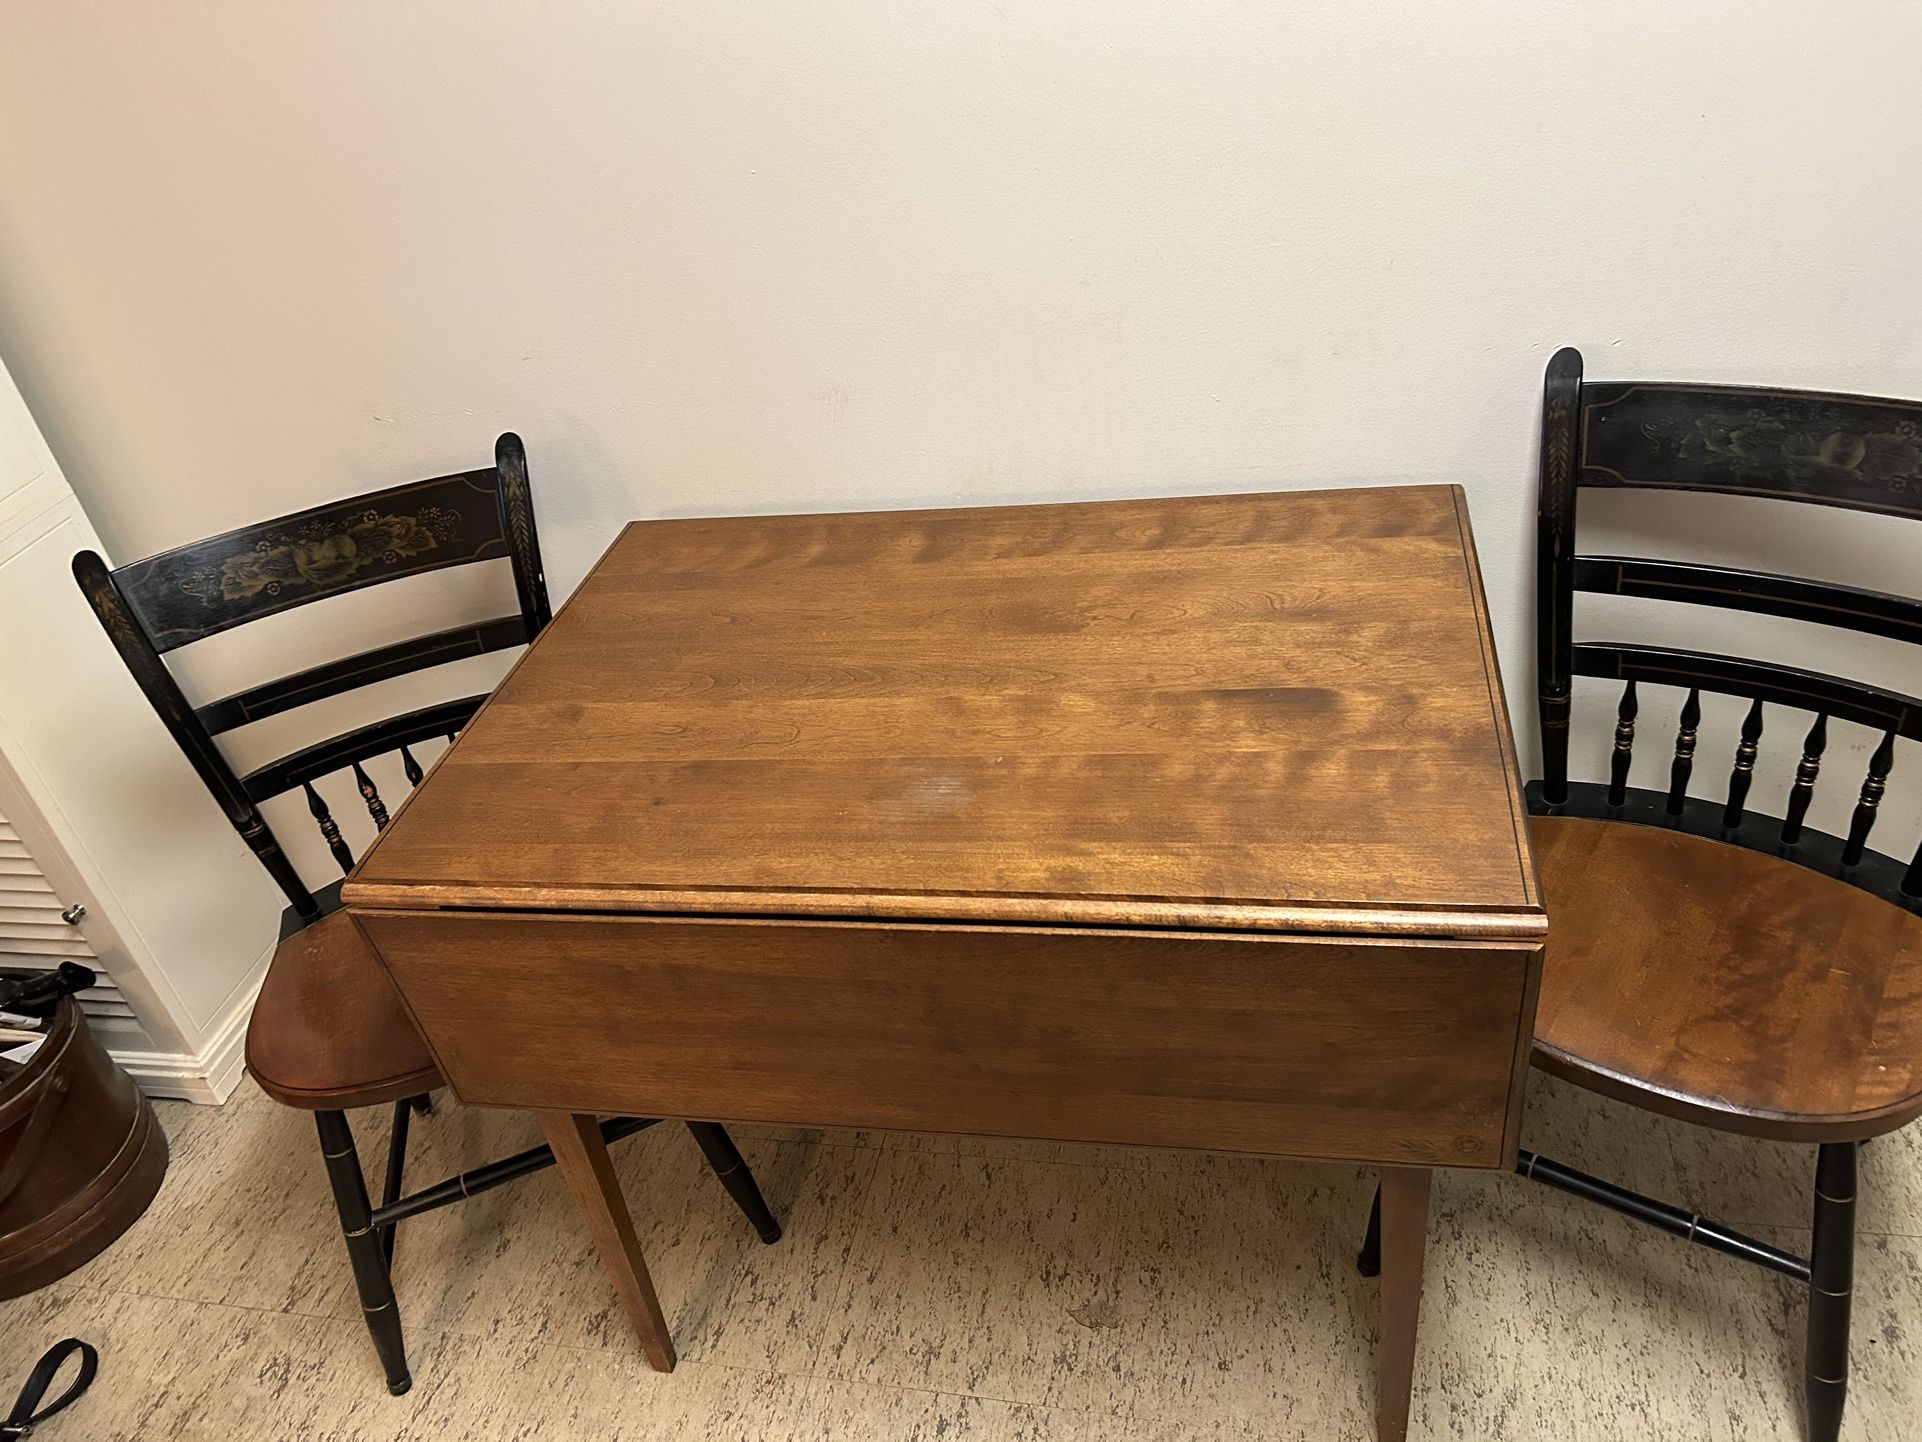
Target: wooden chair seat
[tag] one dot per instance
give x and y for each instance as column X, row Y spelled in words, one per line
column 329, row 1031
column 1725, row 986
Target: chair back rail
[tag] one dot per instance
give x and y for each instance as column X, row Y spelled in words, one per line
column 1871, row 706
column 1856, row 452
column 363, row 743
column 1874, row 613
column 184, row 595
column 317, row 683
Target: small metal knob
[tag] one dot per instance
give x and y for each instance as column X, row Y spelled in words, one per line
column 73, row 914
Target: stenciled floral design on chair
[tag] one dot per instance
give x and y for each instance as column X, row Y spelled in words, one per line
column 323, row 553
column 1758, row 440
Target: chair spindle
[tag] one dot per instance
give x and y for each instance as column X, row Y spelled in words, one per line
column 1744, row 772
column 370, row 793
column 1873, row 785
column 330, row 832
column 1624, row 747
column 411, row 767
column 1806, row 770
column 1678, row 773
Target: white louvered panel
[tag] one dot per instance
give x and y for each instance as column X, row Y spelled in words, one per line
column 103, row 1003
column 33, row 935
column 28, row 908
column 23, row 943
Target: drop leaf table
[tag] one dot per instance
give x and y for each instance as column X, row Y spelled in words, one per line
column 1177, row 823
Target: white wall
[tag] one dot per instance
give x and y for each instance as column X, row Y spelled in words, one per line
column 169, row 905
column 711, row 256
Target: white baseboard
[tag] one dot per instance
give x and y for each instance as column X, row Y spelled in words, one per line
column 207, row 1076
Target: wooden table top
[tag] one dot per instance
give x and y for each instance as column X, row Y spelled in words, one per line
column 1275, row 712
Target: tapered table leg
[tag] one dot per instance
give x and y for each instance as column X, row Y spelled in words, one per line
column 1404, row 1240
column 582, row 1157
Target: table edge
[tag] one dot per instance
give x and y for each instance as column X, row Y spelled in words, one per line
column 1523, row 923
column 1508, row 759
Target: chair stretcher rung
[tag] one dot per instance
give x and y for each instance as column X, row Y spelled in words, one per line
column 1690, row 1226
column 480, row 1179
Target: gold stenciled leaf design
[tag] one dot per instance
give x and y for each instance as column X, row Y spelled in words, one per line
column 1561, row 459
column 322, row 554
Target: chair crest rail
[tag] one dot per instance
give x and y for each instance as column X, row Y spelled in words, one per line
column 206, row 587
column 1857, row 452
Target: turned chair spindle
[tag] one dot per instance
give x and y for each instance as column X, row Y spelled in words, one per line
column 1881, row 762
column 1678, row 772
column 1743, row 773
column 1806, row 771
column 329, row 828
column 1623, row 754
column 371, row 795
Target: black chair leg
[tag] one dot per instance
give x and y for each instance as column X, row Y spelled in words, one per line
column 1831, row 1289
column 731, row 1168
column 424, row 1103
column 396, row 1169
column 1368, row 1259
column 364, row 1251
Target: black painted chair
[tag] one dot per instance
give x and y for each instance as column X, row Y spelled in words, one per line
column 1705, row 960
column 328, row 1031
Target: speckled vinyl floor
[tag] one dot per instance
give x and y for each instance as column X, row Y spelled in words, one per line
column 929, row 1288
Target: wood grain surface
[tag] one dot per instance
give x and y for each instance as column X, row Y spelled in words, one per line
column 1245, row 711
column 1727, row 987
column 1404, row 1243
column 1369, row 1051
column 581, row 1155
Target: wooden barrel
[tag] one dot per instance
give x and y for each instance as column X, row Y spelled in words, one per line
column 81, row 1155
